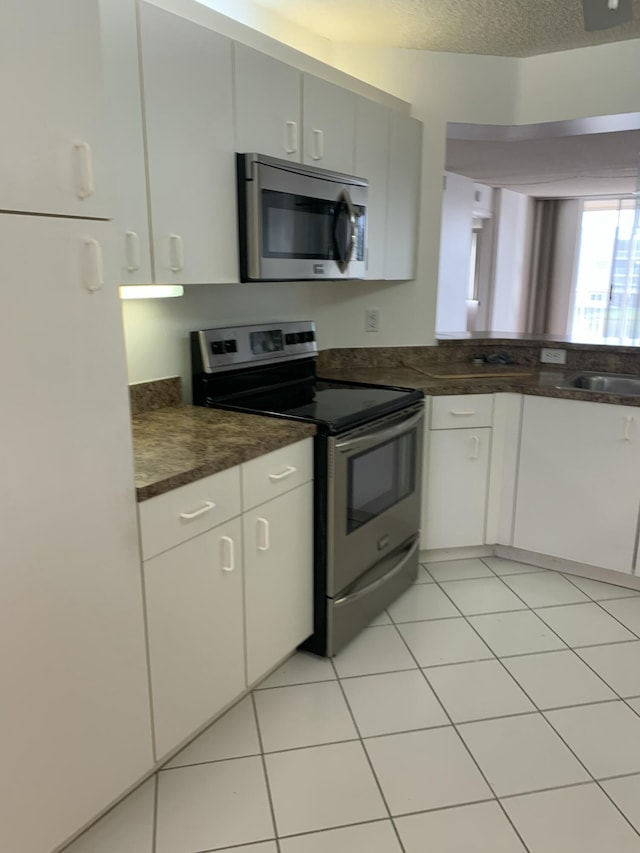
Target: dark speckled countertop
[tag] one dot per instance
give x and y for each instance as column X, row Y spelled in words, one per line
column 176, row 445
column 456, row 378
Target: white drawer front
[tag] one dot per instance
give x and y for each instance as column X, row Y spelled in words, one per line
column 185, row 512
column 460, row 411
column 275, row 473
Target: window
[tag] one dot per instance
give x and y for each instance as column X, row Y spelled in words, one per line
column 606, row 304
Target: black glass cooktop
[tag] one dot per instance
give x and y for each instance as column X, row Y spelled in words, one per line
column 333, row 405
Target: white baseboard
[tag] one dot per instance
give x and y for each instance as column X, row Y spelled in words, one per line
column 568, row 566
column 437, row 555
column 544, row 561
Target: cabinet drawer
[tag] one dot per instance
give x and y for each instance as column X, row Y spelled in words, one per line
column 276, row 473
column 459, row 411
column 182, row 513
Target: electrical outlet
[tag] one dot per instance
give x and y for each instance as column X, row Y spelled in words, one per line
column 550, row 355
column 372, row 320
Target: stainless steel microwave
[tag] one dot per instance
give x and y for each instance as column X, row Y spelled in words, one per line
column 299, row 223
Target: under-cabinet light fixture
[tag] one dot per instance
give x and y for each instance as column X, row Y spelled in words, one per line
column 150, row 291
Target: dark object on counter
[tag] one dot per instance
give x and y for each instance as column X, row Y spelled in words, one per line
column 496, row 358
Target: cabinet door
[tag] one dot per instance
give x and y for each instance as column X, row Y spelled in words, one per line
column 328, row 114
column 372, row 162
column 51, row 103
column 124, row 131
column 195, row 625
column 187, row 74
column 578, row 486
column 267, row 105
column 405, row 170
column 73, row 670
column 456, row 488
column 278, row 578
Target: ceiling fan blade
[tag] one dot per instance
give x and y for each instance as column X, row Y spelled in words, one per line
column 598, row 15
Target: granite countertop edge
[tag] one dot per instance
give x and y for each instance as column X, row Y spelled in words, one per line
column 539, row 383
column 177, row 445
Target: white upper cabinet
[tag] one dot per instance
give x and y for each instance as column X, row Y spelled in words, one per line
column 51, row 101
column 125, row 135
column 267, row 105
column 405, row 158
column 372, row 162
column 329, row 125
column 188, row 95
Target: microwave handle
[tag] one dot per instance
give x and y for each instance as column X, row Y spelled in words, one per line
column 344, row 199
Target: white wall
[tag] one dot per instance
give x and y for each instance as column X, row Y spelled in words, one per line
column 513, row 213
column 455, row 253
column 591, row 81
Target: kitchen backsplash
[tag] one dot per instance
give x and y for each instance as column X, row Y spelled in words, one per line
column 614, row 359
column 145, row 396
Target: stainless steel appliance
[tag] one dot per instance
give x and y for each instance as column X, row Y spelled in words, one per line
column 367, row 465
column 298, row 222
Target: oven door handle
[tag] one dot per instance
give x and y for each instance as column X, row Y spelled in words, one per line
column 350, row 597
column 380, row 435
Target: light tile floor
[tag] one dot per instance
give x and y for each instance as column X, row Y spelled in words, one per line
column 494, row 708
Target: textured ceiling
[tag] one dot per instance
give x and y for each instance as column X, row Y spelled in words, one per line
column 492, row 27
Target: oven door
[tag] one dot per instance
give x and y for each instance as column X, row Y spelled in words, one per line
column 373, row 494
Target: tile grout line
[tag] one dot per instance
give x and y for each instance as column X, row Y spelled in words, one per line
column 549, row 723
column 265, row 772
column 156, row 795
column 542, row 713
column 600, row 604
column 462, row 741
column 367, row 756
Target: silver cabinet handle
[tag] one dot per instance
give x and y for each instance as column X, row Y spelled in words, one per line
column 209, row 505
column 629, row 422
column 461, row 414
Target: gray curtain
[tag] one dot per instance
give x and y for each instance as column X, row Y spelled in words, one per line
column 545, row 221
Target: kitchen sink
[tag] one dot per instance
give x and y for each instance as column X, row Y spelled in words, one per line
column 608, row 383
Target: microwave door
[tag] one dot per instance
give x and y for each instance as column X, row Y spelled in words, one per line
column 344, row 231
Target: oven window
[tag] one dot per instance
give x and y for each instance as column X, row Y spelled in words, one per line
column 380, row 478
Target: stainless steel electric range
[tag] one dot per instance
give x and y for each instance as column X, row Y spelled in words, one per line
column 367, row 464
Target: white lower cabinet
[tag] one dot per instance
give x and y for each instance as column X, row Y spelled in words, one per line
column 195, row 625
column 278, row 578
column 578, row 485
column 227, row 596
column 457, row 454
column 457, row 488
